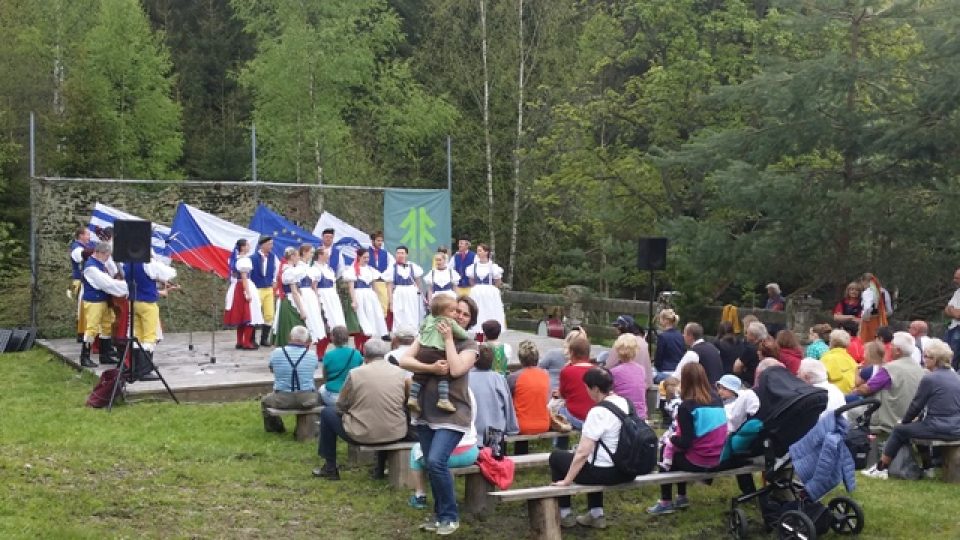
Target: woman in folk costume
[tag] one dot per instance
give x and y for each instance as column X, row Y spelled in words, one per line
column 242, row 305
column 325, row 286
column 874, row 314
column 442, row 279
column 290, row 311
column 364, row 301
column 308, row 295
column 403, row 283
column 485, row 282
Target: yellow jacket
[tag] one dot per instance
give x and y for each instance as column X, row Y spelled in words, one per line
column 841, row 368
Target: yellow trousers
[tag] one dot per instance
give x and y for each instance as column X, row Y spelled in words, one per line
column 462, row 291
column 76, row 286
column 380, row 287
column 99, row 319
column 146, row 320
column 267, row 304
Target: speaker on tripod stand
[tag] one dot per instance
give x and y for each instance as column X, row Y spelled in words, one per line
column 131, row 246
column 652, row 256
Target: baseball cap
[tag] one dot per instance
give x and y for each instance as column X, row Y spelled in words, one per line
column 730, row 382
column 624, row 321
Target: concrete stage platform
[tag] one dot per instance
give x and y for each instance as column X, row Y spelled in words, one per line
column 236, row 375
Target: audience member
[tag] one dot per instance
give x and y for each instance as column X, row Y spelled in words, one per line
column 577, row 400
column 293, row 367
column 703, row 352
column 952, row 310
column 401, row 339
column 855, row 347
column 790, row 352
column 895, row 383
column 745, row 367
column 670, row 345
column 629, row 378
column 625, row 325
column 502, row 352
column 819, row 335
column 729, row 344
column 775, row 301
column 841, row 367
column 530, row 387
column 885, row 338
column 919, row 330
column 739, row 403
column 814, row 373
column 337, row 364
column 555, row 359
column 490, row 388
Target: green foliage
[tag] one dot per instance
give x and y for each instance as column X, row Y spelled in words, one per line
column 121, row 120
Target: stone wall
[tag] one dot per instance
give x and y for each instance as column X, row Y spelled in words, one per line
column 61, row 205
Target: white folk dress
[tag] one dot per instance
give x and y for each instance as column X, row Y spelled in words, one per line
column 486, row 294
column 407, row 303
column 243, row 264
column 327, row 293
column 442, row 282
column 369, row 310
column 311, row 304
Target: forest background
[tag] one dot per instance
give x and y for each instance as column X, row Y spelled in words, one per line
column 801, row 141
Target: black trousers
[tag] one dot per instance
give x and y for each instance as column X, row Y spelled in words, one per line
column 560, row 461
column 680, row 463
column 902, row 434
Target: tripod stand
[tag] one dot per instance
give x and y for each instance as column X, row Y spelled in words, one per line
column 132, row 356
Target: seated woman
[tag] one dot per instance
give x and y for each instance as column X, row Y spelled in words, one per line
column 629, row 377
column 530, row 387
column 490, row 388
column 819, row 335
column 463, row 455
column 337, row 364
column 841, row 367
column 790, row 352
column 592, row 463
column 701, row 434
column 939, row 395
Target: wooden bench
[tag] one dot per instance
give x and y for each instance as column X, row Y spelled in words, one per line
column 543, row 509
column 307, row 420
column 477, row 489
column 950, row 450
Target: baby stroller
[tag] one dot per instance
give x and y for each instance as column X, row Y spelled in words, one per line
column 789, row 409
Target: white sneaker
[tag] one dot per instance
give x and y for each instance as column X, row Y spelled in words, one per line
column 872, row 472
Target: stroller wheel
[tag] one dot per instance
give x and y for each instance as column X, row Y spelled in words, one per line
column 737, row 524
column 847, row 516
column 795, row 525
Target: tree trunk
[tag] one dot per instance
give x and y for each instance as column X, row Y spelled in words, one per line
column 486, row 124
column 317, row 162
column 516, row 151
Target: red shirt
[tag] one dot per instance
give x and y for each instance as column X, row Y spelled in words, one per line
column 572, row 389
column 791, row 359
column 856, row 349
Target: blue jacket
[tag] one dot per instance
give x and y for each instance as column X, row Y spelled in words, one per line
column 821, row 458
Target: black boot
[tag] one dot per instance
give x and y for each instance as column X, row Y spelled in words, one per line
column 108, row 355
column 328, row 471
column 265, row 336
column 79, row 338
column 85, row 356
column 143, row 366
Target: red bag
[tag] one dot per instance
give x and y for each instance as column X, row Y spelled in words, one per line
column 498, row 472
column 100, row 396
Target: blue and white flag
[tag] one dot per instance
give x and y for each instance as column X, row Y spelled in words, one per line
column 104, row 216
column 285, row 233
column 346, row 237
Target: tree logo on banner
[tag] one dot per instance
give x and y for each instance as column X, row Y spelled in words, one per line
column 417, row 236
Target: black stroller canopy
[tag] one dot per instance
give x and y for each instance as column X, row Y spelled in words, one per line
column 789, row 407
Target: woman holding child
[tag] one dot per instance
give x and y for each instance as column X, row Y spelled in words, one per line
column 440, row 431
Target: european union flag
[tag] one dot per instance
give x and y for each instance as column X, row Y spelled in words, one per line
column 285, row 233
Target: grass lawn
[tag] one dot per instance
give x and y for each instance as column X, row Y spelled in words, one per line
column 157, row 470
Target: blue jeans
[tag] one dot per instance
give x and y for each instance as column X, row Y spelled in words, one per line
column 952, row 337
column 331, row 427
column 437, row 446
column 327, row 397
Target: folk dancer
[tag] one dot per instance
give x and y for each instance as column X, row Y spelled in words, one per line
column 308, row 296
column 364, row 301
column 264, row 274
column 463, row 259
column 291, row 311
column 485, row 283
column 98, row 287
column 381, row 260
column 80, row 250
column 325, row 285
column 242, row 304
column 442, row 279
column 144, row 278
column 403, row 283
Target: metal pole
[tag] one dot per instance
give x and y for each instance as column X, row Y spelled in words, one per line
column 33, row 231
column 449, row 166
column 253, row 151
column 650, row 330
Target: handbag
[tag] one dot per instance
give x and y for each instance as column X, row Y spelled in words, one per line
column 904, row 465
column 496, row 441
column 559, row 423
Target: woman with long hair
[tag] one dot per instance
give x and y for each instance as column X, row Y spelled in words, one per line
column 242, row 303
column 325, row 286
column 701, row 434
column 308, row 295
column 670, row 345
column 290, row 311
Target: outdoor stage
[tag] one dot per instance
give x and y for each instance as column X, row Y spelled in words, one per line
column 236, row 375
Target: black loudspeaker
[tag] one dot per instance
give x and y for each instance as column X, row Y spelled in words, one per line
column 131, row 241
column 652, row 254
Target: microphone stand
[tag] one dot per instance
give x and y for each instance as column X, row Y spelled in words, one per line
column 214, row 320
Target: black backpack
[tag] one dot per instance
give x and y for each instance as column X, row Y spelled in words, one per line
column 637, row 447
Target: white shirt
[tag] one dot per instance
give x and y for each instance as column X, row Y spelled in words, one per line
column 917, row 352
column 746, row 405
column 835, row 397
column 955, row 303
column 101, row 281
column 408, row 271
column 688, row 357
column 868, row 301
column 603, row 425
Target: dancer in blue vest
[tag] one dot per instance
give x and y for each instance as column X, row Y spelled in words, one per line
column 403, row 280
column 143, row 279
column 381, row 260
column 485, row 278
column 98, row 287
column 325, row 284
column 80, row 250
column 463, row 259
column 290, row 311
column 364, row 301
column 264, row 275
column 242, row 303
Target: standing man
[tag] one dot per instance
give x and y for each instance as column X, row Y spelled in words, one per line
column 952, row 310
column 403, row 284
column 294, row 366
column 371, row 409
column 919, row 330
column 80, row 250
column 143, row 279
column 461, row 260
column 264, row 275
column 335, row 260
column 381, row 260
column 98, row 287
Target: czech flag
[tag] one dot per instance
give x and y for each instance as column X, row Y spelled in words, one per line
column 285, row 233
column 104, row 216
column 204, row 241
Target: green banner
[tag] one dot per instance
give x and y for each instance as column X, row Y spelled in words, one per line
column 418, row 219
